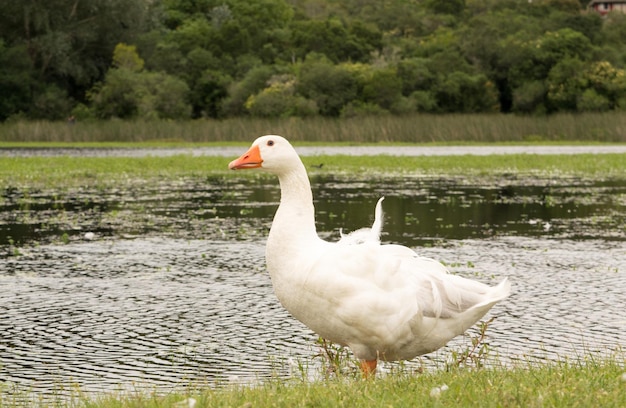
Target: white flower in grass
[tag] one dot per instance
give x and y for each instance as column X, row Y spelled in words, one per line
column 187, row 403
column 436, row 392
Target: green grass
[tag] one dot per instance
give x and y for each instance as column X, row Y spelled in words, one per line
column 584, row 165
column 70, row 172
column 587, row 383
column 63, row 172
column 564, row 385
column 481, row 128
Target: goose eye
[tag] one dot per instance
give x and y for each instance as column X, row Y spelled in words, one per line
column 270, row 143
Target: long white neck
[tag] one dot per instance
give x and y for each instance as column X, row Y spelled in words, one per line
column 296, row 214
column 293, row 228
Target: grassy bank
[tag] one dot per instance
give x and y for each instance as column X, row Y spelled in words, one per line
column 590, row 383
column 482, row 128
column 562, row 385
column 67, row 172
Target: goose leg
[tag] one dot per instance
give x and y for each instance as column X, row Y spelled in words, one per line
column 368, row 368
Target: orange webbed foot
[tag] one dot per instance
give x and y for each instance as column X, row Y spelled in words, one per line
column 368, row 368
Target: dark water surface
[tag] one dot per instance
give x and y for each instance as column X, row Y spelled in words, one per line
column 171, row 288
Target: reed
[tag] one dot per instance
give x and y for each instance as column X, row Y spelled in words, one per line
column 454, row 128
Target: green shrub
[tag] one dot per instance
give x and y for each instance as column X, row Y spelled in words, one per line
column 279, row 100
column 16, row 80
column 463, row 92
column 82, row 112
column 126, row 56
column 331, row 87
column 415, row 75
column 565, row 82
column 52, row 103
column 591, row 101
column 362, row 109
column 238, row 93
column 529, row 97
column 130, row 94
column 403, row 106
column 424, row 101
column 207, row 93
column 383, row 88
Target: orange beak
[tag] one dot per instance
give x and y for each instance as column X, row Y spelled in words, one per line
column 249, row 160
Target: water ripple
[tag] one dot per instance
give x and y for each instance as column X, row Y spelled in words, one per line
column 110, row 315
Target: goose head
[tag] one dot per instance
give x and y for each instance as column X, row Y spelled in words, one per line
column 271, row 153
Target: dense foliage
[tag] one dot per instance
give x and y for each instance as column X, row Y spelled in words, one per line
column 180, row 59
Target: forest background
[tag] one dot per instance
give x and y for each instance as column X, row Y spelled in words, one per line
column 184, row 59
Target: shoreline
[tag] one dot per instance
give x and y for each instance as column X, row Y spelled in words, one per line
column 367, row 150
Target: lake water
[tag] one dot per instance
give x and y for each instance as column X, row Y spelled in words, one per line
column 358, row 150
column 172, row 290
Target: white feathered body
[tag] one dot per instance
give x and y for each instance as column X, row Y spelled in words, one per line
column 383, row 301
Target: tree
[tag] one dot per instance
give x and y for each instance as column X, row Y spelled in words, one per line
column 223, row 57
column 334, row 39
column 16, row 80
column 238, row 93
column 453, row 7
column 383, row 88
column 462, row 92
column 208, row 92
column 591, row 101
column 279, row 100
column 233, row 27
column 415, row 75
column 565, row 83
column 262, row 21
column 607, row 82
column 530, row 98
column 130, row 94
column 330, row 86
column 50, row 103
column 564, row 43
column 566, row 6
column 496, row 44
column 70, row 43
column 125, row 56
column 575, row 85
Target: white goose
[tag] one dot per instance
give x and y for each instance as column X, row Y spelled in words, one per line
column 382, row 301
